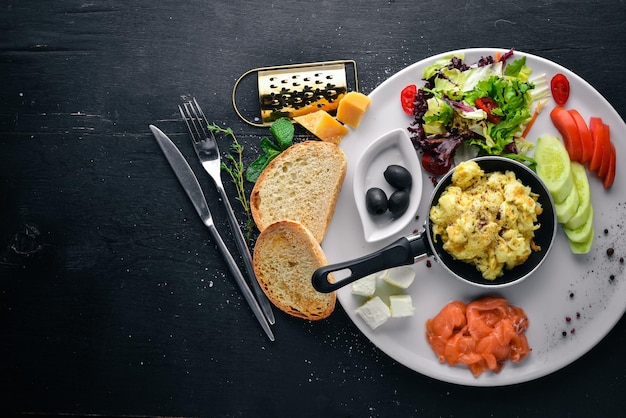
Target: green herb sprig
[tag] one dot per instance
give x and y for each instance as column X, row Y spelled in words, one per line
column 282, row 130
column 235, row 168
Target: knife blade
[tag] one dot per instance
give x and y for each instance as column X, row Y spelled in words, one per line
column 190, row 184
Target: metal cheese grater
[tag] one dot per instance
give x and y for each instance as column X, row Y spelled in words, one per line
column 298, row 89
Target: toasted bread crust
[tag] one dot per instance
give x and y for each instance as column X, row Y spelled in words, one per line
column 301, row 184
column 285, row 256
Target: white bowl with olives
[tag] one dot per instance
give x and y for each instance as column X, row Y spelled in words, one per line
column 387, row 185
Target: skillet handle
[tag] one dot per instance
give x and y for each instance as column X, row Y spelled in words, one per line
column 402, row 252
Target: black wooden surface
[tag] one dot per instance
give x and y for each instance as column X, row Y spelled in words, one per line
column 114, row 301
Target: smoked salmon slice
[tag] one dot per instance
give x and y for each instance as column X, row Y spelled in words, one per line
column 482, row 335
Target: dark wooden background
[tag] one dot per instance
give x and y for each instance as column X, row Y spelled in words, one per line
column 113, row 299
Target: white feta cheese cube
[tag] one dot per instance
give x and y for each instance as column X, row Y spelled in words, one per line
column 401, row 305
column 365, row 286
column 374, row 312
column 401, row 277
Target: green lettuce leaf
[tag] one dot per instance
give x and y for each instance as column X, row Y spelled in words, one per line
column 434, row 68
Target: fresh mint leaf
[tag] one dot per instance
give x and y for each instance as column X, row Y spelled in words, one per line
column 255, row 169
column 267, row 145
column 282, row 130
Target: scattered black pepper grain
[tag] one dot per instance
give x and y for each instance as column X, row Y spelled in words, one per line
column 621, row 260
column 428, row 264
column 612, row 277
column 606, row 231
column 610, row 251
column 578, row 315
column 564, row 334
column 571, row 295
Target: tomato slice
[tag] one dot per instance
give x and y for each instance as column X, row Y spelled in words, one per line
column 586, row 141
column 610, row 175
column 606, row 152
column 559, row 85
column 565, row 124
column 407, row 98
column 596, row 127
column 487, row 104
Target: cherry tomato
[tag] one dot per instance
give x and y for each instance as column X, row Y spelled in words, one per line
column 488, row 104
column 559, row 85
column 407, row 98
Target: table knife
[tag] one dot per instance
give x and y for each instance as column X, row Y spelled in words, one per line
column 190, row 184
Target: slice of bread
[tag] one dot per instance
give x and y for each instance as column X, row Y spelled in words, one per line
column 285, row 256
column 302, row 185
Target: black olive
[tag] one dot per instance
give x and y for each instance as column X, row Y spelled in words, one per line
column 398, row 176
column 399, row 202
column 376, row 201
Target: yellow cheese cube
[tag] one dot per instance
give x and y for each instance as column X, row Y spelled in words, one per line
column 352, row 108
column 323, row 125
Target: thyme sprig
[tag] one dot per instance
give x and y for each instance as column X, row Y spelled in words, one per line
column 235, row 168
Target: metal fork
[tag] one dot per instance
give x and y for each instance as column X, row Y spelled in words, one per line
column 208, row 152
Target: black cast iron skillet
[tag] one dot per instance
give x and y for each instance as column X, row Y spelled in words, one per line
column 415, row 247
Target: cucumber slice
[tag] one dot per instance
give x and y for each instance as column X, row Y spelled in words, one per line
column 554, row 166
column 583, row 233
column 567, row 208
column 581, row 184
column 582, row 247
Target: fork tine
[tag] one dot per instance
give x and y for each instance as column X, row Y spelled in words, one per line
column 186, row 118
column 195, row 123
column 200, row 115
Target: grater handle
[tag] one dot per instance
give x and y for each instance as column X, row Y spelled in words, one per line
column 234, row 99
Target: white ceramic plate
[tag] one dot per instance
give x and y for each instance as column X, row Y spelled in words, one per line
column 393, row 147
column 565, row 286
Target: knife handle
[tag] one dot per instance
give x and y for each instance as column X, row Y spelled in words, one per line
column 241, row 282
column 240, row 240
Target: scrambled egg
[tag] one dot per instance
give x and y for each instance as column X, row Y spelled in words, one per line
column 488, row 220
